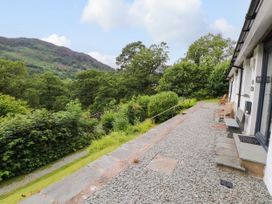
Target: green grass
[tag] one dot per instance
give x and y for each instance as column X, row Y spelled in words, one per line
column 97, row 149
column 212, row 100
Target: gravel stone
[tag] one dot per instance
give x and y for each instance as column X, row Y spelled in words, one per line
column 196, row 179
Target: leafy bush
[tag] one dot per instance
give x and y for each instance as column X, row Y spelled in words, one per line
column 107, row 120
column 9, row 105
column 143, row 101
column 187, row 103
column 132, row 110
column 161, row 102
column 35, row 139
column 120, row 122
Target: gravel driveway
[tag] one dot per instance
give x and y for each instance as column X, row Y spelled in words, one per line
column 194, row 177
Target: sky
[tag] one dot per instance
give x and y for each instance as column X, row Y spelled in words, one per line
column 101, row 28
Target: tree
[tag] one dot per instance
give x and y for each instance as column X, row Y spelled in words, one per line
column 86, row 86
column 218, row 84
column 46, row 91
column 128, row 52
column 211, row 46
column 9, row 105
column 12, row 77
column 183, row 78
column 141, row 73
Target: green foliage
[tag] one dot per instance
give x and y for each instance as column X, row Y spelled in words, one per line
column 46, row 91
column 9, row 105
column 12, row 77
column 218, row 84
column 183, row 78
column 210, row 46
column 141, row 74
column 201, row 74
column 162, row 102
column 86, row 86
column 143, row 102
column 120, row 122
column 116, row 138
column 35, row 139
column 187, row 103
column 41, row 56
column 128, row 52
column 107, row 120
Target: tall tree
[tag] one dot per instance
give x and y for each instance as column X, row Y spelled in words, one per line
column 128, row 52
column 12, row 77
column 87, row 85
column 213, row 47
column 141, row 73
column 182, row 78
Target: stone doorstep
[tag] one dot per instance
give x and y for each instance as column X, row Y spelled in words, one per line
column 250, row 152
column 230, row 162
column 252, row 157
column 226, row 154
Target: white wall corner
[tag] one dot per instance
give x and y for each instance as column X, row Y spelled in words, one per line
column 268, row 169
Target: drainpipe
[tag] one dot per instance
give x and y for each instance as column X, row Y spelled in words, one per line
column 240, row 88
column 240, row 85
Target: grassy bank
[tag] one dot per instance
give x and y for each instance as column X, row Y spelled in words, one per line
column 97, row 149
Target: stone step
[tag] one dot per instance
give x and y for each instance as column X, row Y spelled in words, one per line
column 226, row 154
column 252, row 157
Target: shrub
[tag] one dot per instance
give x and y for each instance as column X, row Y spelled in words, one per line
column 107, row 120
column 161, row 102
column 187, row 103
column 35, row 139
column 143, row 101
column 120, row 122
column 9, row 105
column 132, row 110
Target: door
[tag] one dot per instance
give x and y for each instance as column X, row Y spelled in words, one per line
column 265, row 100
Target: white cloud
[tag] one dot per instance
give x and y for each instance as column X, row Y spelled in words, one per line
column 222, row 26
column 106, row 13
column 171, row 20
column 59, row 40
column 106, row 59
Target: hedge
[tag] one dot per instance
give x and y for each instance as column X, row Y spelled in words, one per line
column 161, row 102
column 36, row 139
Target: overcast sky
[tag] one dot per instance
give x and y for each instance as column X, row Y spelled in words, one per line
column 102, row 28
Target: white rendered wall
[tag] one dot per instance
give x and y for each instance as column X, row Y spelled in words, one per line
column 256, row 60
column 268, row 168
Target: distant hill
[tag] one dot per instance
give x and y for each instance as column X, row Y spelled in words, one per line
column 40, row 56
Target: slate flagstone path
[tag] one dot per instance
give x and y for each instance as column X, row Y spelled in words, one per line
column 172, row 163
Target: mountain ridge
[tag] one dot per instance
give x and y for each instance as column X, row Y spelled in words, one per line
column 42, row 56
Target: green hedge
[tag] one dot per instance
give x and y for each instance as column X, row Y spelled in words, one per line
column 161, row 102
column 36, row 139
column 142, row 107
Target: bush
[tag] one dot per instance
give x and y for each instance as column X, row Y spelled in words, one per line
column 9, row 105
column 161, row 102
column 187, row 103
column 120, row 122
column 143, row 101
column 107, row 120
column 132, row 110
column 36, row 139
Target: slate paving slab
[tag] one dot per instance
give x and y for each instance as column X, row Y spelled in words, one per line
column 163, row 164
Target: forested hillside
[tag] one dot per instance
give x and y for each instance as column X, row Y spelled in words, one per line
column 40, row 56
